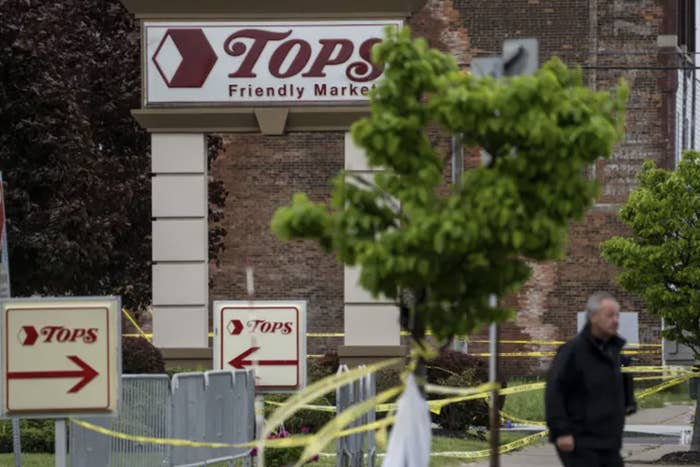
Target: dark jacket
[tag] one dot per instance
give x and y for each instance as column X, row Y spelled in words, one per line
column 585, row 394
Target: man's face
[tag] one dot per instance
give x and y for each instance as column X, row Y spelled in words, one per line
column 606, row 320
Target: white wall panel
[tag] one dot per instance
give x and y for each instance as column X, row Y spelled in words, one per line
column 180, row 327
column 178, row 153
column 180, row 284
column 178, row 196
column 180, row 240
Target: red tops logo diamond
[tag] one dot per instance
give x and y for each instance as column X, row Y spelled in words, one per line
column 184, row 58
column 27, row 335
column 234, row 327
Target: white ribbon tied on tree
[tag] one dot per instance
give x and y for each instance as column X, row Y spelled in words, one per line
column 409, row 443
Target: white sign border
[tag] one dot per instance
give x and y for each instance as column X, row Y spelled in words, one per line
column 302, row 305
column 148, row 103
column 114, row 412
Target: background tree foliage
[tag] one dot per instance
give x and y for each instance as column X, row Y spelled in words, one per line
column 441, row 256
column 75, row 163
column 660, row 260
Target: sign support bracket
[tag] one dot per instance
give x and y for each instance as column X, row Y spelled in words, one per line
column 60, row 439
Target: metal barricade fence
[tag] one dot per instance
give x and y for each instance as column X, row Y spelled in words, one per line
column 353, row 449
column 212, row 407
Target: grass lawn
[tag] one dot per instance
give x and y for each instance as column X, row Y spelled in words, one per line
column 677, row 394
column 28, row 460
column 530, row 405
column 440, row 443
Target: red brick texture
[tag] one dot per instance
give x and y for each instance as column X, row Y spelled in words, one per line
column 262, row 172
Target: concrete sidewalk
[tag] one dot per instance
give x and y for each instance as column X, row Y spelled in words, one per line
column 636, row 452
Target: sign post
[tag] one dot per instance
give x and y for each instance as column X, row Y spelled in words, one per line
column 267, row 335
column 5, row 292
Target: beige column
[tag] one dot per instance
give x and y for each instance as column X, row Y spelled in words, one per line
column 371, row 325
column 180, row 240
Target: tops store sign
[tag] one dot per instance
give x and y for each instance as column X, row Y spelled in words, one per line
column 254, row 63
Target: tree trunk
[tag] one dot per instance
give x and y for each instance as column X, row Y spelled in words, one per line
column 695, row 441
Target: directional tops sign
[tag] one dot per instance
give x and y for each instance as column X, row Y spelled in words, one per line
column 260, row 62
column 268, row 336
column 60, row 356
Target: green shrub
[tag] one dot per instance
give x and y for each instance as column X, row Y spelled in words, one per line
column 452, row 368
column 319, row 368
column 311, row 420
column 36, row 435
column 140, row 356
column 450, row 363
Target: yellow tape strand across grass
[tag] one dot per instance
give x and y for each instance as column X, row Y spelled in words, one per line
column 294, row 441
column 502, row 449
column 319, row 388
column 332, row 431
column 482, row 391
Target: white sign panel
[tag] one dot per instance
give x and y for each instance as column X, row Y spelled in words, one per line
column 61, row 356
column 260, row 62
column 269, row 336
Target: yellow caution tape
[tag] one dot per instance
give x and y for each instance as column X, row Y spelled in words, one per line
column 151, row 439
column 319, row 388
column 147, row 335
column 523, row 388
column 404, row 333
column 502, row 449
column 651, row 378
column 383, row 423
column 138, row 328
column 436, row 405
column 513, row 418
column 317, row 408
column 515, row 354
column 640, row 395
column 542, row 342
column 659, row 369
column 451, row 390
column 479, row 392
column 552, row 353
column 294, row 441
column 331, row 430
column 660, row 387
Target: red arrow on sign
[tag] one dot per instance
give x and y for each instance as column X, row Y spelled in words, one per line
column 87, row 373
column 240, row 361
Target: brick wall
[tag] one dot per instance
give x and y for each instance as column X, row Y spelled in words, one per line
column 624, row 33
column 262, row 173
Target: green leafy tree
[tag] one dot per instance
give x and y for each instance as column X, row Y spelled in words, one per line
column 74, row 161
column 660, row 260
column 439, row 255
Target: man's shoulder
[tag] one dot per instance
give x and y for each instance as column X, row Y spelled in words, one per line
column 565, row 349
column 571, row 346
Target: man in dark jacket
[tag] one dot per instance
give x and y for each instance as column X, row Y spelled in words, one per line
column 585, row 395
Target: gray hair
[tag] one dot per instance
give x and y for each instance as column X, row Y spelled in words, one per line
column 594, row 301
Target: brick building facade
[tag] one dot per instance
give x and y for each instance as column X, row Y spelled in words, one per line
column 608, row 38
